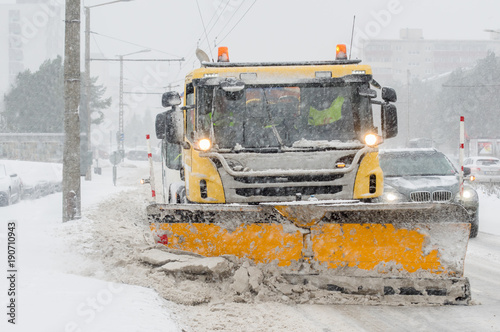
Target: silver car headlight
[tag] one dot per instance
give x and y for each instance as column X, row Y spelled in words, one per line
column 392, row 196
column 469, row 195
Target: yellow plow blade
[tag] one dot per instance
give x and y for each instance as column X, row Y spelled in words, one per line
column 262, row 243
column 340, row 240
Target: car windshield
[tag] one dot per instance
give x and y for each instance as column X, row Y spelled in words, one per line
column 274, row 116
column 415, row 164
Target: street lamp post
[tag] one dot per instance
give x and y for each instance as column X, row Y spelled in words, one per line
column 121, row 136
column 88, row 174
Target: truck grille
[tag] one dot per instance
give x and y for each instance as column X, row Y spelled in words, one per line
column 426, row 196
column 285, row 179
column 288, row 191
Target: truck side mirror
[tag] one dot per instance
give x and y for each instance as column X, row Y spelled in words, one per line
column 160, row 123
column 389, row 121
column 389, row 95
column 170, row 98
column 174, row 126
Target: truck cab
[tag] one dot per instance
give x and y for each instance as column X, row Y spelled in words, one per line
column 283, row 131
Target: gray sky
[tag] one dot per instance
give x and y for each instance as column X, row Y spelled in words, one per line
column 259, row 30
column 265, row 30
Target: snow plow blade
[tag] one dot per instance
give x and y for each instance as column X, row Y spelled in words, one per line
column 410, row 250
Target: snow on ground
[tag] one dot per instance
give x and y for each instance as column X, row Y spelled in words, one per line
column 488, row 213
column 86, row 275
column 50, row 297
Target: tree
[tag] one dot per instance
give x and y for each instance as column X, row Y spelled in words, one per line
column 436, row 105
column 36, row 100
column 474, row 94
column 137, row 128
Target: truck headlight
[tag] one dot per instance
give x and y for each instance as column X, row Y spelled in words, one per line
column 205, row 144
column 371, row 139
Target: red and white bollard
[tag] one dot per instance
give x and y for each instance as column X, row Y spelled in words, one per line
column 151, row 170
column 461, row 156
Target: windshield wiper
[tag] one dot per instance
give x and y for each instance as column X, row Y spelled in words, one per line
column 275, row 131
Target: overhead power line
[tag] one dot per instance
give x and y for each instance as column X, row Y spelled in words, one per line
column 126, row 42
column 229, row 21
column 204, row 28
column 167, row 60
column 217, row 20
column 238, row 21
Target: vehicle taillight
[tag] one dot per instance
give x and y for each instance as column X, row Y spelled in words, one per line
column 475, row 169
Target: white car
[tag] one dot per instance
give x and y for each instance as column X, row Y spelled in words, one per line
column 483, row 169
column 10, row 186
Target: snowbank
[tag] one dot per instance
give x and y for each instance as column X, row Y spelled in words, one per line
column 58, row 287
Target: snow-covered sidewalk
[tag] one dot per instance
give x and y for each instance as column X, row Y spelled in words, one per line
column 51, row 298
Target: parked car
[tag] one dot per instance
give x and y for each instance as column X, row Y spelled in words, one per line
column 425, row 175
column 41, row 180
column 483, row 169
column 10, row 186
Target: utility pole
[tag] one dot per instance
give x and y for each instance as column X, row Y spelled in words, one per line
column 120, row 137
column 71, row 154
column 408, row 75
column 88, row 174
column 121, row 134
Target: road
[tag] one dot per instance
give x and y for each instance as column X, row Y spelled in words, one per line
column 482, row 267
column 104, row 246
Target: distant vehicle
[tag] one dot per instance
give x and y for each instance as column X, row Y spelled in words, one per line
column 32, row 190
column 421, row 143
column 425, row 175
column 483, row 169
column 137, row 155
column 10, row 186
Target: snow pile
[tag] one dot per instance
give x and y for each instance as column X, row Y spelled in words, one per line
column 117, row 245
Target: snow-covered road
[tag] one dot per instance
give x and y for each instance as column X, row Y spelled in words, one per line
column 84, row 276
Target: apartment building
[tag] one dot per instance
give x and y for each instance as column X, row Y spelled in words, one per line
column 414, row 56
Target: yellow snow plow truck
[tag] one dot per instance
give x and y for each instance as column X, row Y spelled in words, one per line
column 278, row 163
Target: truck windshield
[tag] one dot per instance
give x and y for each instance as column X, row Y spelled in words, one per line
column 261, row 117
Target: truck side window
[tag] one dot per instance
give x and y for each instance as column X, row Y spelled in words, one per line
column 173, row 157
column 190, row 113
